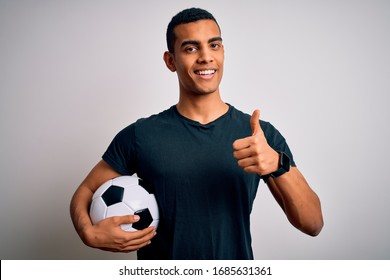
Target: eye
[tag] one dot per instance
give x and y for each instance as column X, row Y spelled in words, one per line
column 215, row 46
column 191, row 49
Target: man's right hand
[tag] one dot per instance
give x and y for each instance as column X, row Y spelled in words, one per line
column 109, row 236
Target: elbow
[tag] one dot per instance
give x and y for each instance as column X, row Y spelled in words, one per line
column 312, row 222
column 315, row 231
column 314, row 228
column 309, row 225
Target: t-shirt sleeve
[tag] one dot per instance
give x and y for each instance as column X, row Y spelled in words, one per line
column 121, row 154
column 276, row 140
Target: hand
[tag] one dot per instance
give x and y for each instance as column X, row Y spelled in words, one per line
column 109, row 236
column 253, row 153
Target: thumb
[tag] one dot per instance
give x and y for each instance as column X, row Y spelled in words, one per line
column 128, row 219
column 255, row 122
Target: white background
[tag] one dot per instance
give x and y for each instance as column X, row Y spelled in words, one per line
column 73, row 73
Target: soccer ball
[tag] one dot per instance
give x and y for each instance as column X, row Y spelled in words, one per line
column 125, row 195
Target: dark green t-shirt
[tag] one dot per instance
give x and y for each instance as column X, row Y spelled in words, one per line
column 205, row 198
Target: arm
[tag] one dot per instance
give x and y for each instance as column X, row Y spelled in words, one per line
column 299, row 202
column 107, row 234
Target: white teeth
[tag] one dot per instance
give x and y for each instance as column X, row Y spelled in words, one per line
column 205, row 72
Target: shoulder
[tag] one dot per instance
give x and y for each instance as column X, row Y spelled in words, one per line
column 146, row 123
column 151, row 120
column 158, row 124
column 162, row 117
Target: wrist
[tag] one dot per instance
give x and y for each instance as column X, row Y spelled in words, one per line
column 85, row 232
column 283, row 166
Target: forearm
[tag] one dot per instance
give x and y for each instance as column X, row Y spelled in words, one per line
column 79, row 211
column 300, row 203
column 82, row 198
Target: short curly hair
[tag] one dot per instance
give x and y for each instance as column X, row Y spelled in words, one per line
column 185, row 16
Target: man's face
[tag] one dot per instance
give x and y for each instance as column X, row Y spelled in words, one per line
column 198, row 57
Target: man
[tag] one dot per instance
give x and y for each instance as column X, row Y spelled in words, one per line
column 204, row 160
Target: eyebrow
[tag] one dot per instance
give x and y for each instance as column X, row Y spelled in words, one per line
column 195, row 42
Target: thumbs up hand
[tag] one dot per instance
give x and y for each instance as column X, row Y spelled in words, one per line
column 253, row 153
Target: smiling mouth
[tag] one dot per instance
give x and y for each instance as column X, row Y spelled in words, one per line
column 205, row 72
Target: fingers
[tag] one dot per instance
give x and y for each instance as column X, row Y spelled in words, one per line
column 127, row 219
column 139, row 239
column 247, row 147
column 113, row 238
column 248, row 159
column 132, row 241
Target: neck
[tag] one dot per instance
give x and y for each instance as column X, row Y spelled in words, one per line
column 203, row 109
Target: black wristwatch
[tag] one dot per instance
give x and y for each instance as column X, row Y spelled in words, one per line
column 284, row 166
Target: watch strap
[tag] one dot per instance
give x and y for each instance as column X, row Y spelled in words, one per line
column 284, row 165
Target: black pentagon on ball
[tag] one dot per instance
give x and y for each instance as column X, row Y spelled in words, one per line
column 145, row 219
column 113, row 195
column 144, row 185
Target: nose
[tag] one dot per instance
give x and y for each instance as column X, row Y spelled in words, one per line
column 205, row 56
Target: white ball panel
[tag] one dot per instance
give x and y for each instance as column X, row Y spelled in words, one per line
column 98, row 210
column 136, row 197
column 153, row 207
column 125, row 181
column 119, row 209
column 128, row 227
column 154, row 223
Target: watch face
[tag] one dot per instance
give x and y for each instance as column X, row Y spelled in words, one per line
column 284, row 165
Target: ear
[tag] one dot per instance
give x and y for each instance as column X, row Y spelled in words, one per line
column 169, row 61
